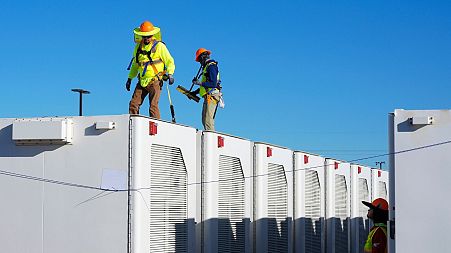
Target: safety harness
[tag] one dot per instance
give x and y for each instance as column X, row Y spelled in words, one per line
column 206, row 77
column 151, row 62
column 209, row 92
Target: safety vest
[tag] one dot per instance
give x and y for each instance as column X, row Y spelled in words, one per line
column 149, row 63
column 369, row 242
column 206, row 78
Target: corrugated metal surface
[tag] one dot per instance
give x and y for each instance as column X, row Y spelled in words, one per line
column 312, row 212
column 168, row 200
column 364, row 195
column 382, row 189
column 231, row 235
column 341, row 214
column 277, row 209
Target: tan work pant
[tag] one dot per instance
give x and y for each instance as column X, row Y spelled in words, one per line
column 140, row 93
column 208, row 111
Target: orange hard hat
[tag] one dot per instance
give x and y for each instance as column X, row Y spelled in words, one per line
column 378, row 203
column 201, row 51
column 146, row 26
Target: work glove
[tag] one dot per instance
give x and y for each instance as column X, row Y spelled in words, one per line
column 171, row 79
column 194, row 92
column 128, row 83
column 197, row 82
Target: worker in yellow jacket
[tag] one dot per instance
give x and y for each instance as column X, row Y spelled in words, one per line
column 152, row 63
column 377, row 238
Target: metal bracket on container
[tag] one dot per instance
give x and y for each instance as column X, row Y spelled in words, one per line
column 421, row 120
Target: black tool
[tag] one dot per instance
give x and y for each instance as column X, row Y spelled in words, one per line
column 188, row 93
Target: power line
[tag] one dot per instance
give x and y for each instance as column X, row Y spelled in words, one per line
column 40, row 179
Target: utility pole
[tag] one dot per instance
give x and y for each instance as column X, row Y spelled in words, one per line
column 81, row 92
column 380, row 164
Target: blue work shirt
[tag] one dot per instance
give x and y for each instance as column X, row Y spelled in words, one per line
column 212, row 74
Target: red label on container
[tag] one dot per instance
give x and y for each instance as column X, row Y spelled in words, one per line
column 268, row 152
column 153, row 128
column 220, row 141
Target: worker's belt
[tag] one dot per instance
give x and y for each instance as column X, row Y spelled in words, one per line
column 211, row 97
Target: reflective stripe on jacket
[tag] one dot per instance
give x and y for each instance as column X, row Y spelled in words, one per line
column 161, row 61
column 369, row 242
column 205, row 75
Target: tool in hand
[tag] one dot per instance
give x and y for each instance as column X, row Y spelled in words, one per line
column 188, row 93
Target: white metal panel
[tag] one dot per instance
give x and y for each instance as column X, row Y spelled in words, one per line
column 168, row 200
column 163, row 199
column 226, row 193
column 385, row 186
column 22, row 200
column 58, row 213
column 379, row 184
column 309, row 203
column 360, row 191
column 420, row 173
column 277, row 208
column 42, row 131
column 273, row 198
column 338, row 203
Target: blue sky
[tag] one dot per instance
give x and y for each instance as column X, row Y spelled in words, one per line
column 318, row 76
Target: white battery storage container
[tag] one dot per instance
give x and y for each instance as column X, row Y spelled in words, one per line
column 101, row 184
column 338, row 205
column 163, row 170
column 420, row 176
column 273, row 198
column 379, row 184
column 309, row 203
column 226, row 206
column 360, row 191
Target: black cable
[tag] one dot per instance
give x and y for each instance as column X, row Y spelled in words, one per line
column 40, row 179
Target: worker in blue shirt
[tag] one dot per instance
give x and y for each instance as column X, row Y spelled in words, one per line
column 210, row 88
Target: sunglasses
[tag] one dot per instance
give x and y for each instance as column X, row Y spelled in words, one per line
column 146, row 37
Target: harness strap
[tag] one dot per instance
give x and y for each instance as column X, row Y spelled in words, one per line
column 147, row 53
column 207, row 78
column 153, row 62
column 130, row 64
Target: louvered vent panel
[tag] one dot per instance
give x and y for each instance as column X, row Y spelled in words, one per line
column 231, row 234
column 341, row 215
column 364, row 195
column 382, row 190
column 313, row 226
column 168, row 200
column 277, row 209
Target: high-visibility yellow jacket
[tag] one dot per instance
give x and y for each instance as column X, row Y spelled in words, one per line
column 161, row 61
column 377, row 239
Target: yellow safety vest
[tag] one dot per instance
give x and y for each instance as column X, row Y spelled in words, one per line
column 369, row 242
column 203, row 90
column 150, row 61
